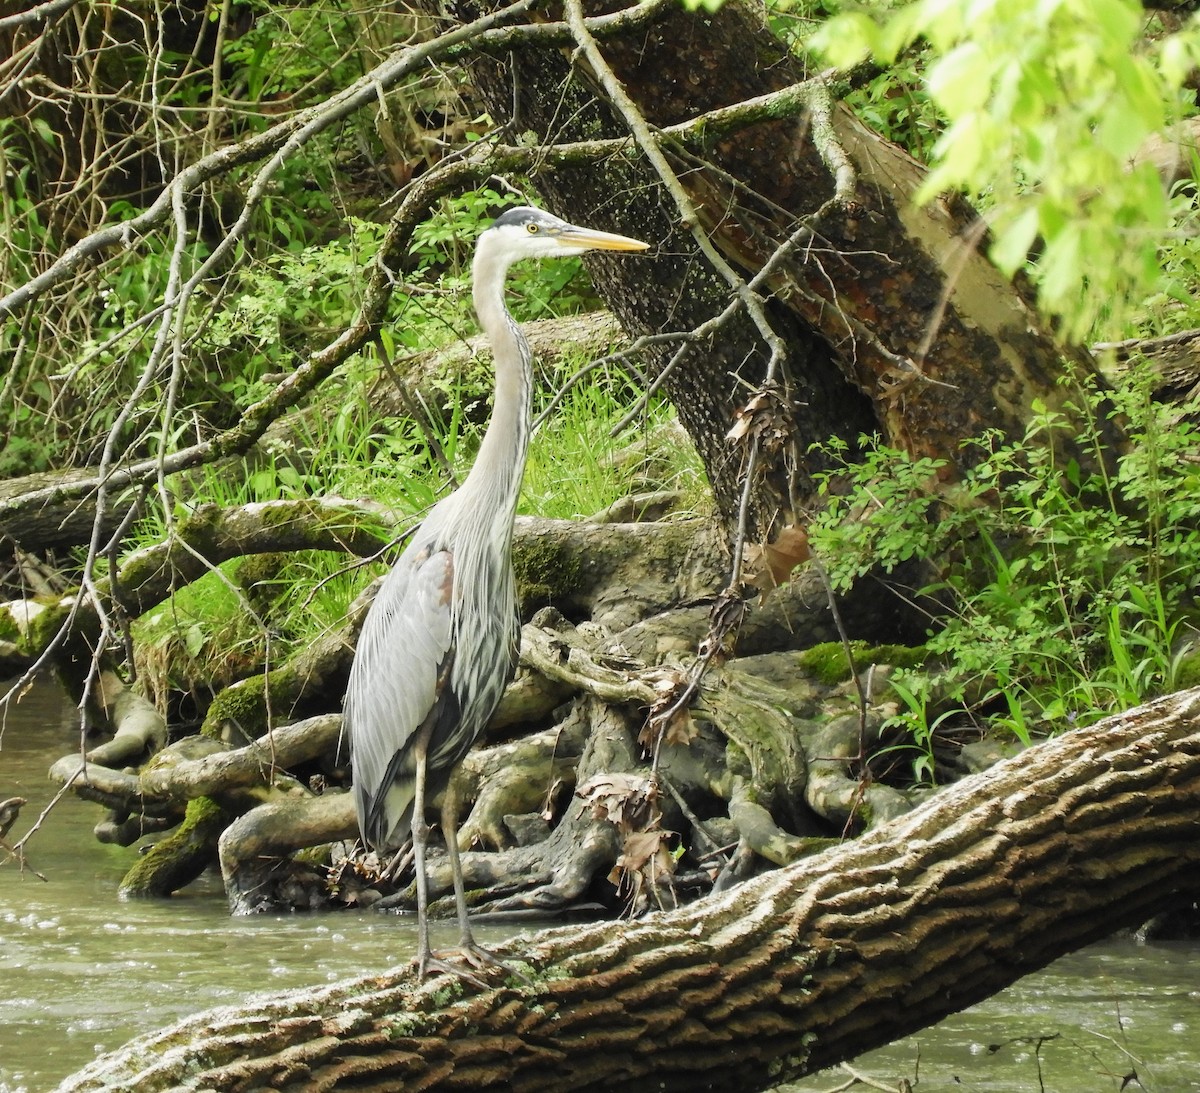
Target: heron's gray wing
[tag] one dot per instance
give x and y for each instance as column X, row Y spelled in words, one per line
column 396, row 682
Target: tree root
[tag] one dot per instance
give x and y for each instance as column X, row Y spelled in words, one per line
column 556, row 874
column 257, row 764
column 764, row 764
column 181, row 857
column 258, row 873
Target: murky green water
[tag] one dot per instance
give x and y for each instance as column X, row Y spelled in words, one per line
column 81, row 971
column 1112, row 1010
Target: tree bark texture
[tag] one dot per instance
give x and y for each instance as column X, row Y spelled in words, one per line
column 891, row 319
column 787, row 974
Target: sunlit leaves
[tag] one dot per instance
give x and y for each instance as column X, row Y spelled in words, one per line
column 1046, row 104
column 1064, row 592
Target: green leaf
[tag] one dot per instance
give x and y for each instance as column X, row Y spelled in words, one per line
column 194, row 639
column 44, row 132
column 1012, row 245
column 845, row 40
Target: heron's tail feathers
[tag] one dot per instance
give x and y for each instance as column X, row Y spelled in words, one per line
column 385, row 818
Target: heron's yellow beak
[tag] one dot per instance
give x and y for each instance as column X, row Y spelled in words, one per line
column 588, row 239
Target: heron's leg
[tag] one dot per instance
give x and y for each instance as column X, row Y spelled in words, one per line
column 470, row 951
column 420, row 834
column 450, row 830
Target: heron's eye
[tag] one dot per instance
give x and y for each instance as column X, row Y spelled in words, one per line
column 532, row 229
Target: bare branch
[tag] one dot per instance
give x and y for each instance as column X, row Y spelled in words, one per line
column 38, row 14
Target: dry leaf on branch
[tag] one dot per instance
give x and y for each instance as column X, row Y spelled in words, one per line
column 627, row 801
column 771, row 564
column 669, row 718
column 644, row 866
column 630, row 803
column 765, row 418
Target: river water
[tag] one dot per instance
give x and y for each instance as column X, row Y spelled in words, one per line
column 81, row 971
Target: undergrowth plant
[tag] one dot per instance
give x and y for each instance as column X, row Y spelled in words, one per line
column 1065, row 593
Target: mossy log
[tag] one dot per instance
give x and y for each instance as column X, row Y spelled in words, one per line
column 789, row 973
column 182, row 856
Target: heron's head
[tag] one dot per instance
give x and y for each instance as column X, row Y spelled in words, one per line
column 531, row 233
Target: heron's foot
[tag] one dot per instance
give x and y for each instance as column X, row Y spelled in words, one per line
column 463, row 960
column 397, row 864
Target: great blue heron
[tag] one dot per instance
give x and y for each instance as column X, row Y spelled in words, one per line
column 440, row 642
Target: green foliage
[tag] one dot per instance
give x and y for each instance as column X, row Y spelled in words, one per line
column 285, row 304
column 24, row 233
column 896, row 104
column 80, row 353
column 575, row 469
column 1045, row 102
column 284, row 49
column 1070, row 592
column 1173, row 305
column 445, row 242
column 893, row 101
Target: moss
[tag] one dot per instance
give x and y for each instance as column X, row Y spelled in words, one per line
column 182, row 856
column 546, row 571
column 551, row 973
column 42, row 629
column 316, row 856
column 9, row 630
column 201, row 811
column 259, row 567
column 737, row 762
column 400, row 1026
column 1188, row 672
column 450, row 993
column 203, row 518
column 321, row 526
column 828, row 663
column 244, row 704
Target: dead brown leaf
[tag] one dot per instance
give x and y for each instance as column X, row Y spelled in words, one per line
column 771, row 564
column 628, row 801
column 668, row 719
column 644, row 866
column 681, row 729
column 765, row 417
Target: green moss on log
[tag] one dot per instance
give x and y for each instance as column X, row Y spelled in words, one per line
column 546, row 571
column 243, row 704
column 9, row 630
column 42, row 629
column 1188, row 672
column 829, row 664
column 182, row 856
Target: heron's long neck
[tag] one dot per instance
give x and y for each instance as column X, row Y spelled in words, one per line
column 495, row 480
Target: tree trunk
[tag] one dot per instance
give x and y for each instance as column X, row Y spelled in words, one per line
column 892, row 321
column 787, row 974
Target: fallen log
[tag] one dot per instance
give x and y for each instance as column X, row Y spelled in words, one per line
column 789, row 973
